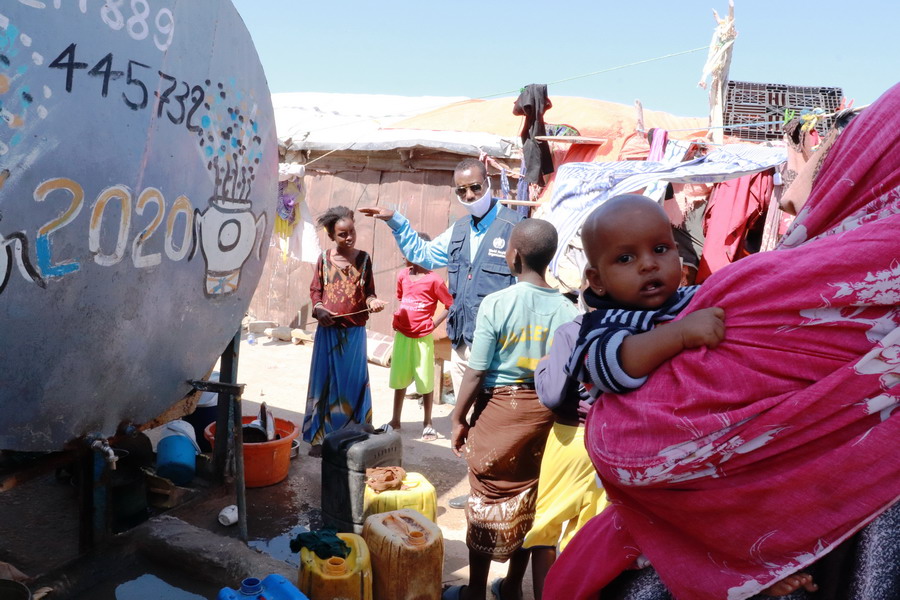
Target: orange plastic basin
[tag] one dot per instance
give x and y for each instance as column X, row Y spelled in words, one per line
column 265, row 463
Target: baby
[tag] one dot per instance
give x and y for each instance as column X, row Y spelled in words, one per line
column 634, row 273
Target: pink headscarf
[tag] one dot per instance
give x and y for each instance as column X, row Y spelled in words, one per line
column 732, row 468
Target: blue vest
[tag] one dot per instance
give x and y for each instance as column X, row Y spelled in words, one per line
column 469, row 281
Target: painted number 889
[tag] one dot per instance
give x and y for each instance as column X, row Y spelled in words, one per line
column 136, row 23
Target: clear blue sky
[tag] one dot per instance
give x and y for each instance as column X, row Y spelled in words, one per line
column 490, row 47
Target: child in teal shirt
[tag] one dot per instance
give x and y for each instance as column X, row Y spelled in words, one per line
column 504, row 437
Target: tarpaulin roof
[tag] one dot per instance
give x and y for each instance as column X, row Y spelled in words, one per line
column 314, row 116
column 318, row 121
column 313, row 121
column 594, row 118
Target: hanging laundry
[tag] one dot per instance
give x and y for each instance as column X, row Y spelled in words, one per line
column 304, row 243
column 522, row 185
column 675, row 153
column 290, row 187
column 581, row 187
column 733, row 208
column 294, row 231
column 777, row 221
column 504, row 184
column 690, row 203
column 285, row 216
column 658, row 140
column 533, row 102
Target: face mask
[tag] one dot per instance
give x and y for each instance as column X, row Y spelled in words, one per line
column 478, row 207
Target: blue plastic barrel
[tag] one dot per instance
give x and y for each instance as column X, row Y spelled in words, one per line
column 176, row 459
column 273, row 587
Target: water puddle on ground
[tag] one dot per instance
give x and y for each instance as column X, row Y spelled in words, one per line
column 147, row 581
column 151, row 587
column 280, row 546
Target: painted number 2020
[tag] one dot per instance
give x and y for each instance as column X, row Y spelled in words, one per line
column 150, row 200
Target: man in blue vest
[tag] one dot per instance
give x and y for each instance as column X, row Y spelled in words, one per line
column 473, row 249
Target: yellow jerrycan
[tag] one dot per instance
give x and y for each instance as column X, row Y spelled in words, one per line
column 419, row 495
column 407, row 551
column 337, row 578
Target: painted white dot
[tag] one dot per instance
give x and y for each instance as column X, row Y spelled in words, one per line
column 3, row 148
column 42, row 111
column 4, row 22
column 47, row 91
column 37, row 58
column 26, row 40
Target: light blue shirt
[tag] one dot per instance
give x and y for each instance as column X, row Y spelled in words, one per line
column 434, row 254
column 513, row 331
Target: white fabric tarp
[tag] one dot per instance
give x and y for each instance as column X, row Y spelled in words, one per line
column 360, row 122
column 580, row 187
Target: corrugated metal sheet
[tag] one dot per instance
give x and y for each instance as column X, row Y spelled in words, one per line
column 423, row 196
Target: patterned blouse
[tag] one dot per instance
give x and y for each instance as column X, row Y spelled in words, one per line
column 344, row 290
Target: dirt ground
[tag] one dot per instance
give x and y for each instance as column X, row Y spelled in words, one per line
column 277, row 373
column 39, row 520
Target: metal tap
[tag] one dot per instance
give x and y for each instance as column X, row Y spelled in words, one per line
column 102, row 445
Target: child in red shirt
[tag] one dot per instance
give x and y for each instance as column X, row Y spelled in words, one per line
column 419, row 291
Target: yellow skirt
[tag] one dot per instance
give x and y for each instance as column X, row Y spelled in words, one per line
column 568, row 493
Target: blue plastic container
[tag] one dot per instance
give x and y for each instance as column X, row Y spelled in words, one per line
column 273, row 587
column 176, row 459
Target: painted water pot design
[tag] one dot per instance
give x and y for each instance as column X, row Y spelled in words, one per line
column 138, row 181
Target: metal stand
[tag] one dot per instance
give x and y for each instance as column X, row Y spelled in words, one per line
column 229, row 425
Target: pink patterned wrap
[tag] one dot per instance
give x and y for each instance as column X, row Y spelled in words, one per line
column 732, row 468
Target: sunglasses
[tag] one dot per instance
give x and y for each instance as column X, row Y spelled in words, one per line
column 475, row 187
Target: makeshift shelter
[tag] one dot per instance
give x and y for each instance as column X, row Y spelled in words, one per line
column 350, row 159
column 360, row 150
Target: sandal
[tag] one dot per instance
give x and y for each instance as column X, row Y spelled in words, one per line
column 454, row 592
column 459, row 502
column 429, row 434
column 386, row 428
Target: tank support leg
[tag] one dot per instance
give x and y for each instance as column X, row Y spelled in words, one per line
column 229, row 434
